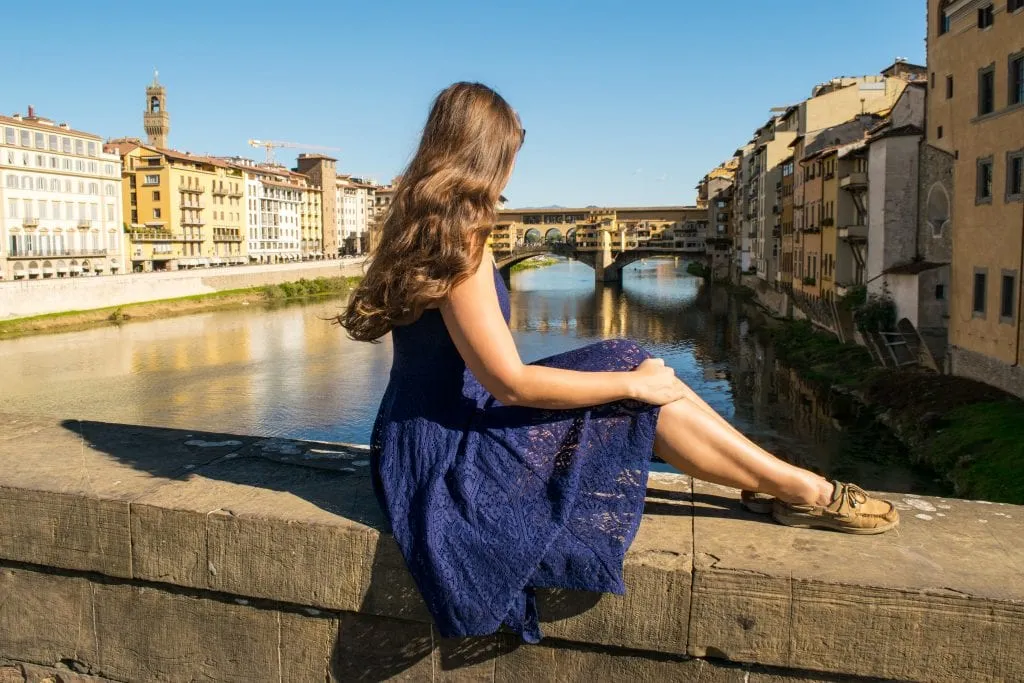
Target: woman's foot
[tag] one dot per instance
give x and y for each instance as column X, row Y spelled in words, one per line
column 758, row 503
column 851, row 510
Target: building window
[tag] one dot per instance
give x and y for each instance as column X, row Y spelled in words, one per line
column 1016, row 78
column 26, row 139
column 1008, row 297
column 1015, row 176
column 79, row 147
column 1014, row 5
column 949, row 87
column 156, row 213
column 980, row 275
column 156, row 195
column 151, row 180
column 938, row 132
column 984, row 188
column 987, row 90
column 9, row 136
column 985, row 17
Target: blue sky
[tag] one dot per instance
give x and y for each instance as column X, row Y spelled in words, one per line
column 624, row 103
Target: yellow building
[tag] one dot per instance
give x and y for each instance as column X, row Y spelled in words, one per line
column 181, row 211
column 829, row 199
column 975, row 111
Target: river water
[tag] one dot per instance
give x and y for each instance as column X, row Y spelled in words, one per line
column 285, row 371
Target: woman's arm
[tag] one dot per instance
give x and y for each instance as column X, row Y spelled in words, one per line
column 474, row 321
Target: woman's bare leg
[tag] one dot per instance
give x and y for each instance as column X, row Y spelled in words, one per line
column 692, row 437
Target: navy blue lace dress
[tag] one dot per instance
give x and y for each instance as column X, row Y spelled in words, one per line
column 489, row 502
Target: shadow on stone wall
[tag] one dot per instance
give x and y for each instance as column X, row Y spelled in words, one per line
column 391, row 633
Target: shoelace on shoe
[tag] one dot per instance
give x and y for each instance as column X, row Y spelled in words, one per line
column 852, row 495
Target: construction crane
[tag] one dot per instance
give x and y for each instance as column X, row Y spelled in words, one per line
column 270, row 145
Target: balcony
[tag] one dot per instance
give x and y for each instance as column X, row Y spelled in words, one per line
column 54, row 253
column 237, row 194
column 187, row 204
column 854, row 181
column 153, row 235
column 192, row 189
column 85, row 224
column 854, row 233
column 193, row 221
column 227, row 238
column 219, row 191
column 30, row 222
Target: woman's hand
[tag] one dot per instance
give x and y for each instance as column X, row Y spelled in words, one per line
column 655, row 383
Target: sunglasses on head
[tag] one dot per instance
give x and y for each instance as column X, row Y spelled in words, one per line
column 523, row 141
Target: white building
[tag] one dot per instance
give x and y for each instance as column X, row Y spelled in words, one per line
column 355, row 201
column 273, row 200
column 60, row 195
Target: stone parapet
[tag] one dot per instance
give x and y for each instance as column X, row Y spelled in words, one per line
column 138, row 553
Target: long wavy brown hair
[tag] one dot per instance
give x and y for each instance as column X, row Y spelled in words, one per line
column 443, row 209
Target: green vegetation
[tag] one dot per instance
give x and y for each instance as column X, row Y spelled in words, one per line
column 981, row 447
column 303, row 289
column 535, row 262
column 821, row 358
column 698, row 269
column 968, row 432
column 873, row 312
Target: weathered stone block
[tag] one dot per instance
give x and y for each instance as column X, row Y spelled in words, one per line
column 46, row 618
column 891, row 606
column 66, row 486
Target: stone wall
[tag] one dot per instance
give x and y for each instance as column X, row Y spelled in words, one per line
column 934, row 211
column 25, row 298
column 162, row 554
column 978, row 366
column 777, row 302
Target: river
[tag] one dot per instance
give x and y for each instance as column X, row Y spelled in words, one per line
column 285, row 371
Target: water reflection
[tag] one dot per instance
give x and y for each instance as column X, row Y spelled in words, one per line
column 287, row 372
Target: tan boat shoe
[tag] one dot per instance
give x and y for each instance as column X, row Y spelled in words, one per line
column 758, row 503
column 851, row 511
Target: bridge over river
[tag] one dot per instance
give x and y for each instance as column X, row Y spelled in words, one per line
column 607, row 261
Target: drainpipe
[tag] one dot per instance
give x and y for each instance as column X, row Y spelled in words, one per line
column 1020, row 270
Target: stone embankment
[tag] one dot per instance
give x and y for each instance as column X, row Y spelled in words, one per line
column 24, row 298
column 134, row 553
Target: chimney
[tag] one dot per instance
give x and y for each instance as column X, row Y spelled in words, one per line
column 31, row 112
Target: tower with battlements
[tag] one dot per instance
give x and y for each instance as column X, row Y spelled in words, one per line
column 156, row 120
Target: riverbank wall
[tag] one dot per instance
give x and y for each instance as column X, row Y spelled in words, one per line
column 176, row 555
column 26, row 298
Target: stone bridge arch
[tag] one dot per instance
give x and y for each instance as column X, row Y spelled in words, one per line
column 505, row 263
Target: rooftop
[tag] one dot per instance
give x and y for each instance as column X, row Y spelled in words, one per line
column 41, row 123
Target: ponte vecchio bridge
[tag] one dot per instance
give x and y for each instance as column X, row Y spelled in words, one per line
column 606, row 239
